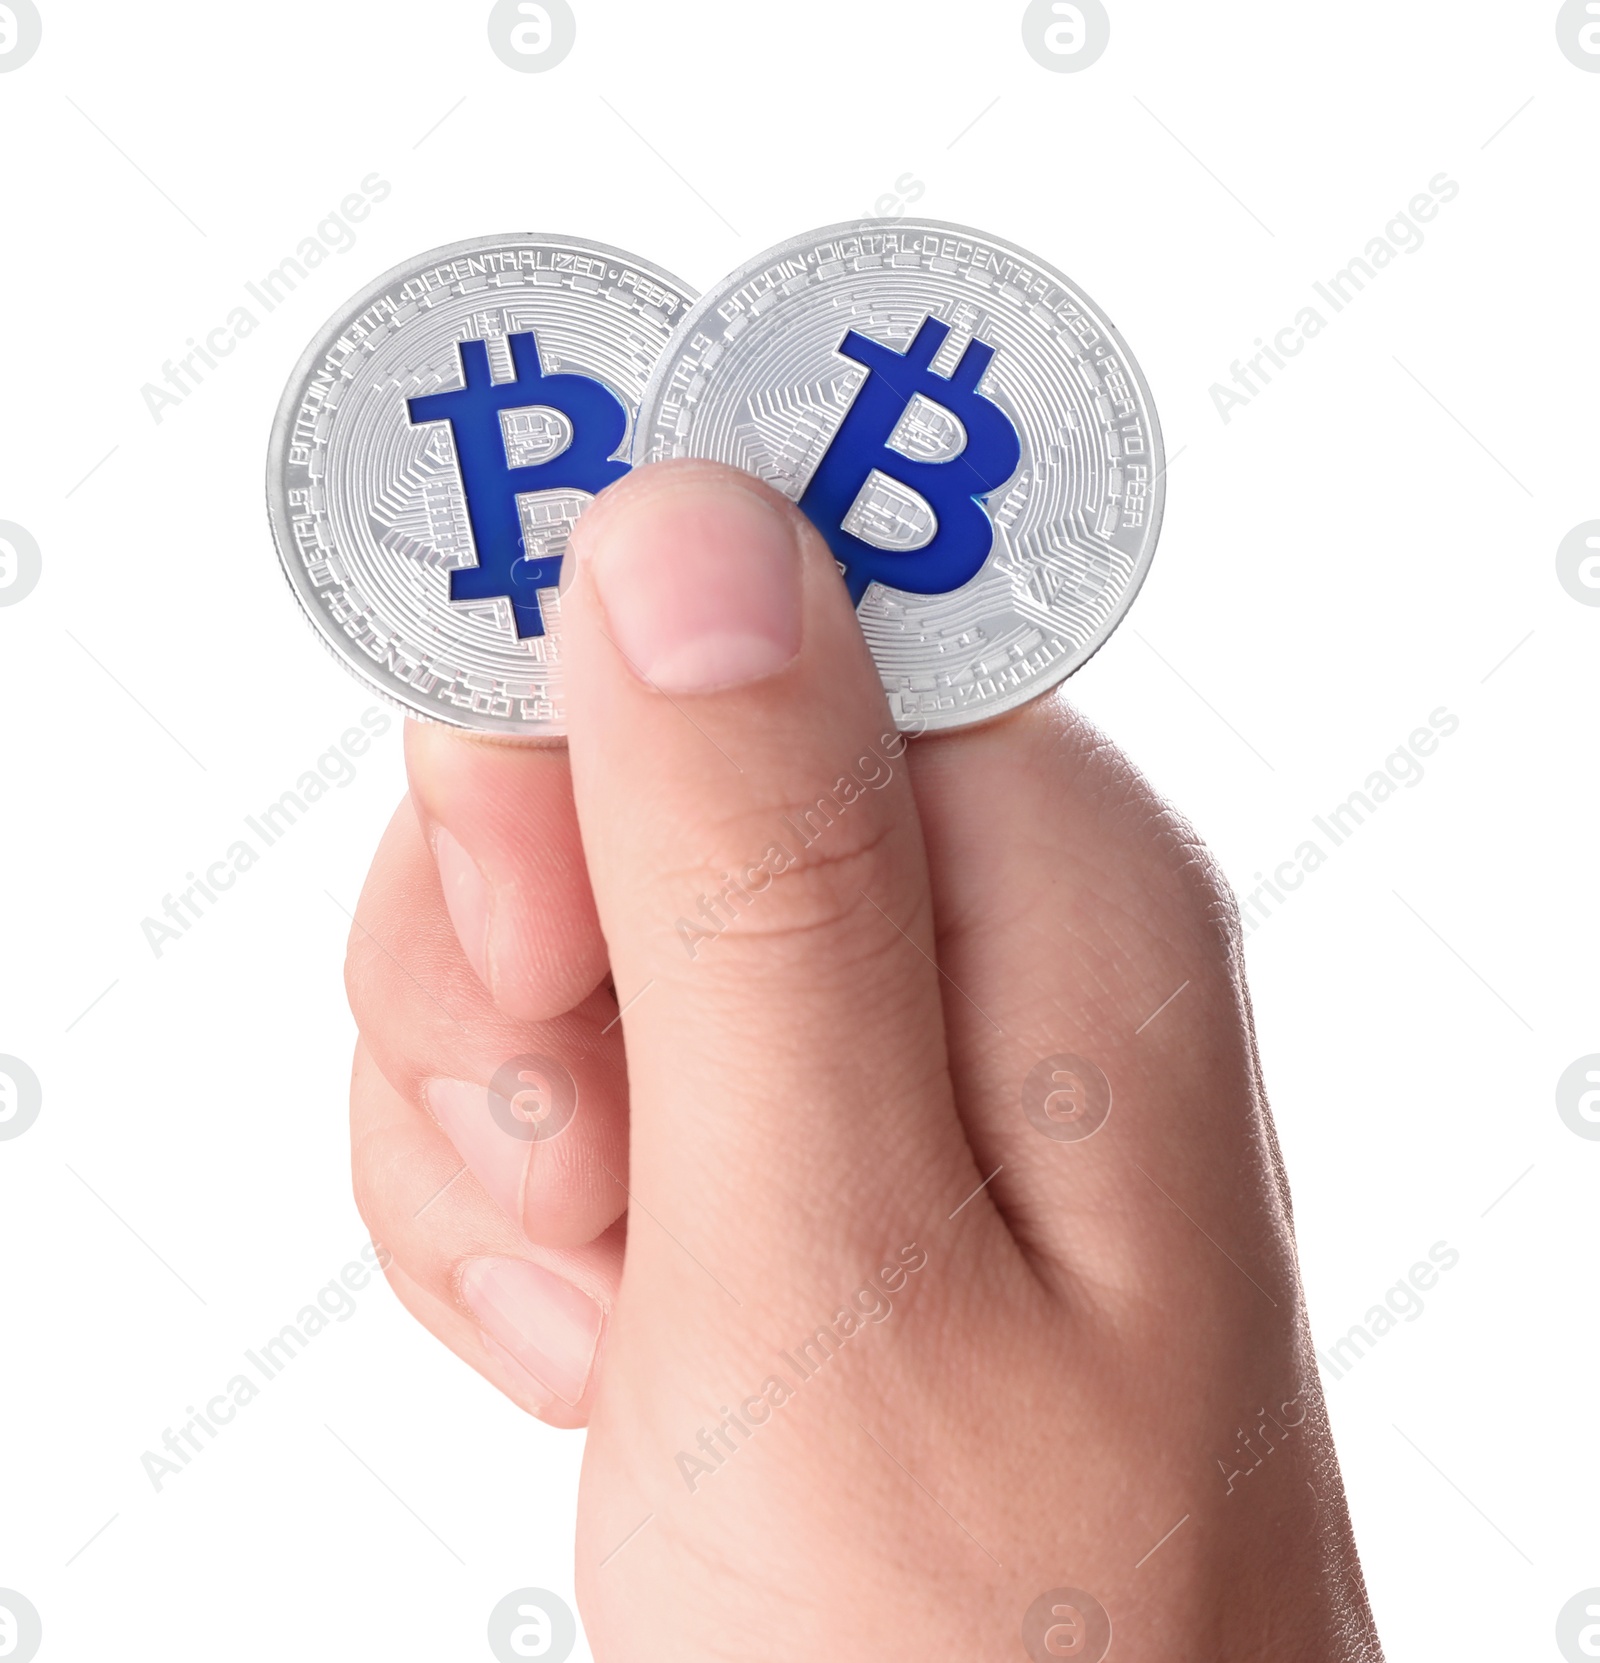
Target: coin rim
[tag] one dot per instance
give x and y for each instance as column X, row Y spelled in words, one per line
column 942, row 721
column 283, row 422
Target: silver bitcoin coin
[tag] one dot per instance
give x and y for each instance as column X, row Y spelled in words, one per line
column 433, row 449
column 961, row 423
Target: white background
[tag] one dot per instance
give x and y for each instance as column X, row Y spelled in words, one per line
column 1363, row 543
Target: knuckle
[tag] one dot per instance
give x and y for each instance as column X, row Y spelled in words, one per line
column 817, row 885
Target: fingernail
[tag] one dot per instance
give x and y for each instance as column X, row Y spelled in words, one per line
column 466, row 898
column 497, row 1161
column 700, row 585
column 547, row 1325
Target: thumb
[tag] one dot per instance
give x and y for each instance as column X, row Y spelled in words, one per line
column 759, row 873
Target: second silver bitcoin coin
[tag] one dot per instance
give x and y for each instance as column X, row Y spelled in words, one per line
column 433, row 449
column 963, row 425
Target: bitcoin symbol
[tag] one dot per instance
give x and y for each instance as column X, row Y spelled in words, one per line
column 8, row 37
column 492, row 484
column 951, row 487
column 531, row 35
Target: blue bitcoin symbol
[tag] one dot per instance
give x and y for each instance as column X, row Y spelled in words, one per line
column 492, row 484
column 952, row 487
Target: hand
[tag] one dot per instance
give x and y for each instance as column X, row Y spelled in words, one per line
column 912, row 1329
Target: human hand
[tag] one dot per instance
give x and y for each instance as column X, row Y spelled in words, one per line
column 908, row 1333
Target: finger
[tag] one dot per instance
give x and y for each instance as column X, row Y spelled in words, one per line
column 1112, row 1085
column 759, row 872
column 538, row 1110
column 530, row 1320
column 500, row 820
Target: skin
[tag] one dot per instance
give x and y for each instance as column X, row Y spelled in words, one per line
column 1101, row 1348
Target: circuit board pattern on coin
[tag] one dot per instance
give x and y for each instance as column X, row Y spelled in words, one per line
column 367, row 501
column 756, row 377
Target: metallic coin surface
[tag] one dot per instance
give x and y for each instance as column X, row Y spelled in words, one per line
column 961, row 423
column 433, row 449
